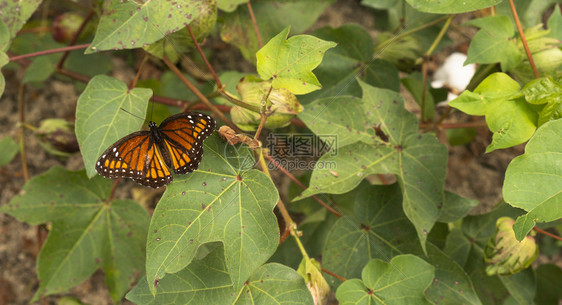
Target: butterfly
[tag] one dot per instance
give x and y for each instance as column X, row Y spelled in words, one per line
column 149, row 156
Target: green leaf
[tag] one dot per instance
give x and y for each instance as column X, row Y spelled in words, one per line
column 41, row 68
column 9, row 150
column 341, row 117
column 16, row 13
column 401, row 281
column 493, row 43
column 352, row 58
column 100, row 121
column 206, row 281
column 229, row 5
column 521, row 286
column 379, row 229
column 511, row 121
column 417, row 160
column 87, row 233
column 548, row 278
column 450, row 6
column 414, row 83
column 455, row 207
column 228, row 202
column 555, row 24
column 546, row 90
column 132, row 24
column 272, row 17
column 4, row 59
column 532, row 181
column 457, row 246
column 290, row 61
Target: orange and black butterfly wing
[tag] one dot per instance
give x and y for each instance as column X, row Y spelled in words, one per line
column 183, row 135
column 135, row 156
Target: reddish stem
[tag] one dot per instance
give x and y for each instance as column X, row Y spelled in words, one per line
column 547, row 233
column 75, row 38
column 523, row 39
column 285, row 235
column 46, row 52
column 295, row 180
column 255, row 23
column 219, row 85
column 334, row 275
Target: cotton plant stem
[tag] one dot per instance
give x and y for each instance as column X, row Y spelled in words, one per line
column 75, row 38
column 289, row 223
column 426, row 58
column 137, row 77
column 255, row 23
column 297, row 182
column 217, row 80
column 51, row 51
column 523, row 39
column 198, row 93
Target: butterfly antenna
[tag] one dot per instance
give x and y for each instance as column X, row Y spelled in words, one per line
column 136, row 116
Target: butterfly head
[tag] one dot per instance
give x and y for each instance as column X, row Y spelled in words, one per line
column 152, row 125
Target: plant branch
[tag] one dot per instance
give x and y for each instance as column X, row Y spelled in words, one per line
column 198, row 93
column 297, row 182
column 263, row 113
column 406, row 33
column 46, row 52
column 75, row 38
column 334, row 275
column 289, row 223
column 217, row 80
column 426, row 58
column 255, row 23
column 523, row 39
column 143, row 62
column 547, row 233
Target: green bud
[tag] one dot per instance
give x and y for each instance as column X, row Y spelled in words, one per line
column 281, row 105
column 65, row 26
column 57, row 137
column 504, row 254
column 311, row 271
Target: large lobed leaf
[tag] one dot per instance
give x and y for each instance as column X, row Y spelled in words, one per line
column 134, row 24
column 289, row 62
column 533, row 181
column 451, row 6
column 351, row 59
column 271, row 16
column 494, row 43
column 403, row 280
column 87, row 233
column 417, row 160
column 99, row 118
column 15, row 13
column 341, row 117
column 511, row 120
column 206, row 281
column 378, row 229
column 224, row 200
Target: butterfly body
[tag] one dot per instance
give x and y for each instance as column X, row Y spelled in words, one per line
column 149, row 157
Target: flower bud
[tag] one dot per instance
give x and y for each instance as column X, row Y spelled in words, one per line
column 310, row 270
column 504, row 254
column 57, row 137
column 281, row 105
column 65, row 26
